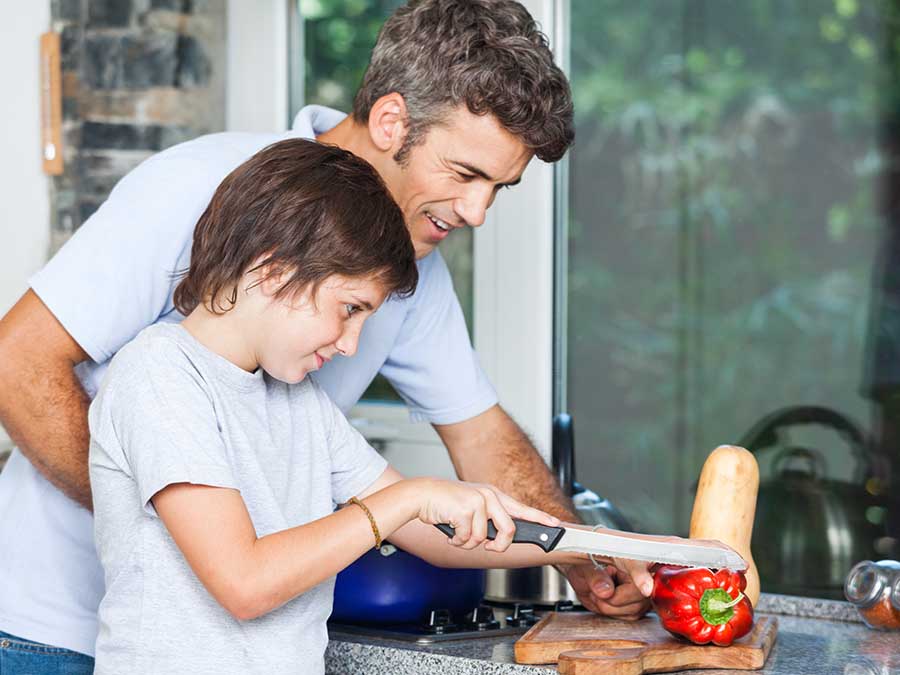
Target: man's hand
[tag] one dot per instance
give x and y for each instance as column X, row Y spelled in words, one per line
column 606, row 590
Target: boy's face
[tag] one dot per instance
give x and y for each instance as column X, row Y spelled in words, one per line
column 451, row 178
column 300, row 334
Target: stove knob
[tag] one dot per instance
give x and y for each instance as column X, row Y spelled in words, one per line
column 523, row 615
column 439, row 622
column 563, row 606
column 482, row 618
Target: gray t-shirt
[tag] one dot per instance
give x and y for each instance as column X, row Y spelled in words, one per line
column 171, row 411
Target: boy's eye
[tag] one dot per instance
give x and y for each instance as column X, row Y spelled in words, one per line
column 351, row 309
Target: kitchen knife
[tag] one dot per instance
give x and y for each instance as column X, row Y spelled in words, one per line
column 618, row 544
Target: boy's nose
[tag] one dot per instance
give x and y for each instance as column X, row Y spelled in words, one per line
column 347, row 343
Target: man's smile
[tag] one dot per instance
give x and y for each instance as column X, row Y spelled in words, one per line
column 438, row 223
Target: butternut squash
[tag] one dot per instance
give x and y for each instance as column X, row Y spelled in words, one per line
column 725, row 505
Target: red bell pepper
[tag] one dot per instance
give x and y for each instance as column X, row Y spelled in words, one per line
column 701, row 605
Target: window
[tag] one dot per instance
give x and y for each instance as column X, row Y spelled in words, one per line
column 731, row 224
column 726, row 243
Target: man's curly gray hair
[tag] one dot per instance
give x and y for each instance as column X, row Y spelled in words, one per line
column 486, row 54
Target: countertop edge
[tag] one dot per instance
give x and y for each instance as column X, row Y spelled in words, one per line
column 358, row 657
column 807, row 608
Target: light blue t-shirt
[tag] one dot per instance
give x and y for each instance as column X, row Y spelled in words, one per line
column 112, row 279
column 172, row 411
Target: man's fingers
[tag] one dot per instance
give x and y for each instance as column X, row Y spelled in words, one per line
column 630, row 612
column 602, row 584
column 640, row 575
column 626, row 601
column 589, row 604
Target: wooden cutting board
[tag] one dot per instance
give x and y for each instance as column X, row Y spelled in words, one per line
column 586, row 644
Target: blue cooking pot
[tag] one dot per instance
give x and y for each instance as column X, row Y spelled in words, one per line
column 393, row 586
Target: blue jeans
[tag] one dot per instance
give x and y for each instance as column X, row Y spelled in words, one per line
column 23, row 657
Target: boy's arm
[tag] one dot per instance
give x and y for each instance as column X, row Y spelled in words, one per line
column 427, row 542
column 251, row 576
column 43, row 406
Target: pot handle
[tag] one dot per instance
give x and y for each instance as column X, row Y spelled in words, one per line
column 764, row 433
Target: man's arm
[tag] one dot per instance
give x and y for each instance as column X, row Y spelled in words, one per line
column 491, row 448
column 43, row 406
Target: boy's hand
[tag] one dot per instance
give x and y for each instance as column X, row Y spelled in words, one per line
column 468, row 506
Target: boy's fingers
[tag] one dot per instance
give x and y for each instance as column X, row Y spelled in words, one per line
column 463, row 531
column 518, row 510
column 479, row 527
column 502, row 522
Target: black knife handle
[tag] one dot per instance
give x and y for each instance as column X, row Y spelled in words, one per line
column 527, row 532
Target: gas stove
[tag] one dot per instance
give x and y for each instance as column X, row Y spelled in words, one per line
column 440, row 625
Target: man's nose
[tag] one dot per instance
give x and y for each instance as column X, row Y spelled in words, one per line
column 474, row 205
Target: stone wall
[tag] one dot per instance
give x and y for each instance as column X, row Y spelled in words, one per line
column 138, row 76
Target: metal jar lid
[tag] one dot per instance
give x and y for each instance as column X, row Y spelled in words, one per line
column 865, row 583
column 895, row 593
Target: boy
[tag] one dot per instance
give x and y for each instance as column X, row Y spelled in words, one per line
column 216, row 463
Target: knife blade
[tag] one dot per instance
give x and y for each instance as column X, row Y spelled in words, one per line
column 618, row 544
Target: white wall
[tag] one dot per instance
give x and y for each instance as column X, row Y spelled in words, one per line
column 25, row 207
column 257, row 80
column 24, row 223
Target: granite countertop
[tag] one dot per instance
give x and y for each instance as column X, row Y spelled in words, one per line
column 815, row 637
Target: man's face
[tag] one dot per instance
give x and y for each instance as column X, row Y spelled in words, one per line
column 451, row 178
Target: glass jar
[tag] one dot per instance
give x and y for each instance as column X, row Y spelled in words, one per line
column 874, row 588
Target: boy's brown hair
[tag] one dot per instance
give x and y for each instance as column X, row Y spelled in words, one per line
column 307, row 210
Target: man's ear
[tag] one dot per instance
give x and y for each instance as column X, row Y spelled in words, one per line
column 387, row 123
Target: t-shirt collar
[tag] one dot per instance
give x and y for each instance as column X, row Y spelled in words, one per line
column 313, row 120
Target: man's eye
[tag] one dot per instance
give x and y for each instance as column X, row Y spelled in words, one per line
column 351, row 309
column 467, row 176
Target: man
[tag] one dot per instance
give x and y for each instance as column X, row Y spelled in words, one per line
column 458, row 97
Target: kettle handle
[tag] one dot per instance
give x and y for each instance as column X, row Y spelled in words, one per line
column 764, row 433
column 814, row 457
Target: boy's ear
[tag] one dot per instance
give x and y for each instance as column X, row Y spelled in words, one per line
column 267, row 278
column 270, row 284
column 387, row 123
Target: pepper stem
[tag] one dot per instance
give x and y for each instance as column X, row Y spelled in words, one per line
column 717, row 605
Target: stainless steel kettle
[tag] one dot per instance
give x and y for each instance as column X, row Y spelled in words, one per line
column 544, row 585
column 810, row 529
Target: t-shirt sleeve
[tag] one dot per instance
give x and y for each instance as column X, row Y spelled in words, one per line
column 163, row 419
column 355, row 464
column 115, row 275
column 433, row 365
